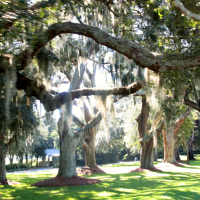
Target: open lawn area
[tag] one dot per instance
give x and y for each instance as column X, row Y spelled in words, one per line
column 136, row 185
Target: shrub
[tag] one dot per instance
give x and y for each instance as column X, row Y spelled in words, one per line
column 16, row 166
column 23, row 165
column 55, row 160
column 12, row 166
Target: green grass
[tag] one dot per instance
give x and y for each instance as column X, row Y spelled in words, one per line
column 151, row 185
column 125, row 164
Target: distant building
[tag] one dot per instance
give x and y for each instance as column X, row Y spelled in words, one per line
column 52, row 152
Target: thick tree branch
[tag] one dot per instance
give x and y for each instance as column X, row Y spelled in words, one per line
column 141, row 56
column 147, row 138
column 51, row 102
column 180, row 121
column 189, row 14
column 78, row 122
column 191, row 104
column 85, row 131
column 10, row 142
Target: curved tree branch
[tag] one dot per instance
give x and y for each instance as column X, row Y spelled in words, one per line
column 189, row 14
column 141, row 56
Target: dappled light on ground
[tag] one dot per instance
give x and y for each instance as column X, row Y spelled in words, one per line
column 136, row 185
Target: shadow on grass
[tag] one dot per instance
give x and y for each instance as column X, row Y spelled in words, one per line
column 136, row 185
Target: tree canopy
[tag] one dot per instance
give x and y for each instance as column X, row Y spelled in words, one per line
column 153, row 34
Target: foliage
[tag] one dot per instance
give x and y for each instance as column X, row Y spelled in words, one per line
column 18, row 121
column 187, row 129
column 15, row 166
column 132, row 138
column 40, row 51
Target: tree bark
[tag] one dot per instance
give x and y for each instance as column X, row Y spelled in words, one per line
column 11, row 159
column 169, row 137
column 3, row 179
column 187, row 150
column 68, row 144
column 26, row 155
column 191, row 155
column 146, row 137
column 169, row 145
column 67, row 165
column 89, row 149
column 155, row 154
column 146, row 158
column 176, row 154
column 52, row 102
column 88, row 143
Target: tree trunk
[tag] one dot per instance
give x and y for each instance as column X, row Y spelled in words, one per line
column 146, row 159
column 21, row 157
column 191, row 155
column 31, row 160
column 67, row 165
column 155, row 154
column 3, row 179
column 128, row 153
column 187, row 149
column 68, row 144
column 176, row 154
column 169, row 137
column 26, row 155
column 11, row 159
column 89, row 149
column 169, row 145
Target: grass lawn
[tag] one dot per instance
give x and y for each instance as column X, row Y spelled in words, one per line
column 137, row 185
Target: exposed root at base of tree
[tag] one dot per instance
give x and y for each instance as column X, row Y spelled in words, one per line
column 62, row 181
column 8, row 182
column 89, row 170
column 74, row 181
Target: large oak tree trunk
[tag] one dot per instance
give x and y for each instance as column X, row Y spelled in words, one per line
column 146, row 137
column 176, row 154
column 89, row 143
column 3, row 179
column 191, row 155
column 169, row 137
column 89, row 149
column 68, row 144
column 146, row 158
column 67, row 165
column 169, row 145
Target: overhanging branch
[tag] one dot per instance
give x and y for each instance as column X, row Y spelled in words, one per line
column 141, row 56
column 51, row 102
column 182, row 8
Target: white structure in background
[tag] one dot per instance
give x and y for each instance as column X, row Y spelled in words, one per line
column 52, row 152
column 49, row 153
